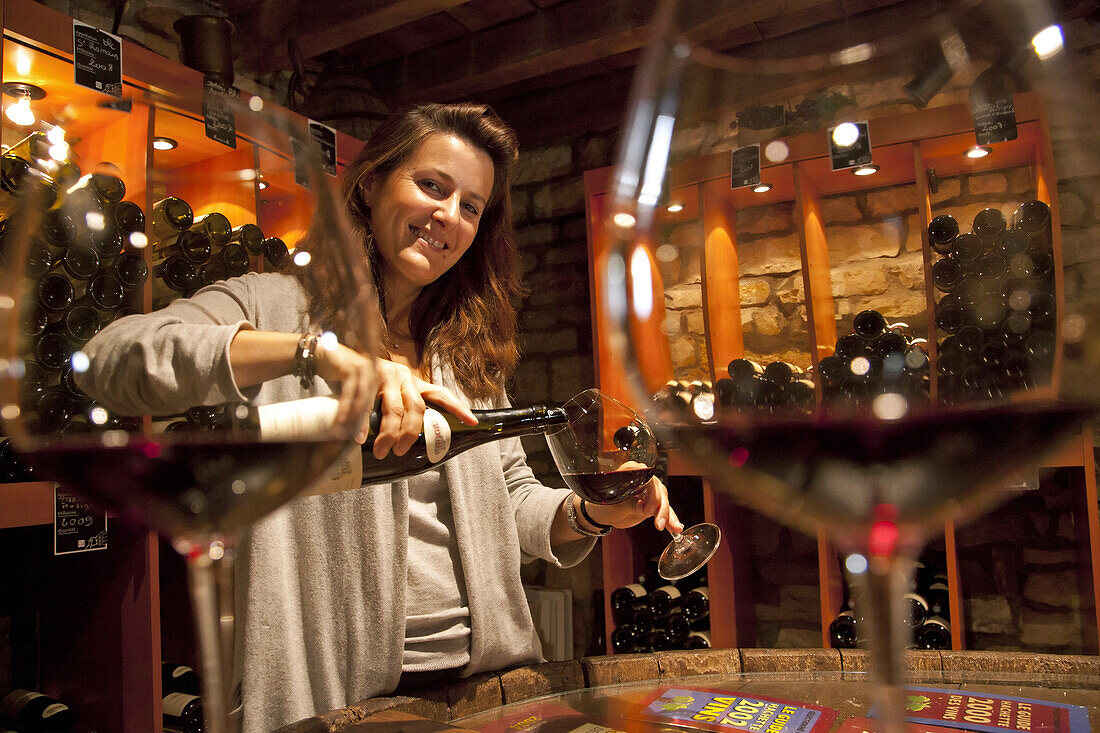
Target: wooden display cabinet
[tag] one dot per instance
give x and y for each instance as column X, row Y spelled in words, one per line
column 99, row 613
column 913, row 152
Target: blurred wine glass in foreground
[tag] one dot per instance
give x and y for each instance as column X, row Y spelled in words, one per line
column 607, row 454
column 77, row 254
column 884, row 346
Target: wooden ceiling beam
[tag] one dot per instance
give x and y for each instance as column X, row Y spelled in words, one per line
column 561, row 36
column 327, row 27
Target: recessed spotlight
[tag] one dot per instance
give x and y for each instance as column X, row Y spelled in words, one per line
column 164, row 143
column 675, row 208
column 762, row 188
column 1048, row 42
column 865, row 170
column 261, row 183
column 20, row 112
column 978, row 151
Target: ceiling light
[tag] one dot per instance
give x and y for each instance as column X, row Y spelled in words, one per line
column 1048, row 42
column 978, row 151
column 261, row 183
column 164, row 143
column 20, row 112
column 762, row 188
column 674, row 208
column 865, row 170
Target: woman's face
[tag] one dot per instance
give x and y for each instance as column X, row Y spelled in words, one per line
column 425, row 214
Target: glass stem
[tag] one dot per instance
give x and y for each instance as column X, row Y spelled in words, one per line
column 879, row 594
column 209, row 579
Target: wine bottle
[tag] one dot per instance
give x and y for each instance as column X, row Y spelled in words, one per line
column 677, row 627
column 58, row 229
column 625, row 598
column 127, row 218
column 131, row 270
column 177, row 273
column 443, row 436
column 664, row 600
column 170, row 216
column 105, row 293
column 80, row 262
column 967, row 248
column 1032, row 216
column 696, row 604
column 624, row 639
column 182, row 712
column 275, row 252
column 989, row 225
column 55, row 293
column 942, row 231
column 781, row 373
column 698, row 639
column 78, row 324
column 191, row 244
column 178, row 678
column 214, row 227
column 234, row 256
column 251, row 237
column 34, row 712
column 869, row 324
column 1014, row 242
column 844, row 631
column 743, row 369
column 946, row 274
column 935, row 633
column 917, row 608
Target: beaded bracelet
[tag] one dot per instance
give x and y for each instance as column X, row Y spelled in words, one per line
column 571, row 517
column 305, row 364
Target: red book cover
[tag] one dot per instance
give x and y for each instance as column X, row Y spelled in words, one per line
column 688, row 707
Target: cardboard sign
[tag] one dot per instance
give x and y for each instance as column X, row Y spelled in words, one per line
column 97, row 59
column 745, row 166
column 994, row 118
column 77, row 527
column 221, row 125
column 849, row 156
column 325, row 137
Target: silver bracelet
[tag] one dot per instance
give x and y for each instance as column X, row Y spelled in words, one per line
column 571, row 517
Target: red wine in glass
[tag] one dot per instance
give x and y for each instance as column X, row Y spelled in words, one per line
column 611, row 487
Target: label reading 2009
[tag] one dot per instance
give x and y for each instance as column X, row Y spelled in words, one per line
column 78, row 527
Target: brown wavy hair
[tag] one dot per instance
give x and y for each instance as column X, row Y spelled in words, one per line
column 466, row 316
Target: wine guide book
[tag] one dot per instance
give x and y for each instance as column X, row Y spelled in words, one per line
column 930, row 710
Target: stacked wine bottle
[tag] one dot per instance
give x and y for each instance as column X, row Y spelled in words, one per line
column 652, row 618
column 192, row 252
column 928, row 614
column 876, row 357
column 997, row 305
column 86, row 269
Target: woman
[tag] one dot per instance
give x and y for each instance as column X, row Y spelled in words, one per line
column 344, row 596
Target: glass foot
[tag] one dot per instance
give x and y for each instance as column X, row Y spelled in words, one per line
column 689, row 551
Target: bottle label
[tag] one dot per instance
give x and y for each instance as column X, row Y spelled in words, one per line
column 672, row 591
column 343, row 475
column 55, row 709
column 637, row 589
column 297, row 418
column 437, row 435
column 180, row 671
column 175, row 702
column 15, row 701
column 702, row 591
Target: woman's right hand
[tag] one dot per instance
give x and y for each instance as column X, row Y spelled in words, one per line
column 403, row 397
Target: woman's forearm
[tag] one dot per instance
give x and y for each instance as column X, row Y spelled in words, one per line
column 259, row 356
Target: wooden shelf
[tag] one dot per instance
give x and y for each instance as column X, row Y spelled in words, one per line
column 906, row 148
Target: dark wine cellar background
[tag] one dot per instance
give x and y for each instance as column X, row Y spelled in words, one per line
column 1029, row 601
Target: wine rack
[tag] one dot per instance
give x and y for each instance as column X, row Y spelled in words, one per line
column 799, row 223
column 101, row 614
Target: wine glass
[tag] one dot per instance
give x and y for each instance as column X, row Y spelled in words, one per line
column 91, row 230
column 917, row 393
column 607, row 454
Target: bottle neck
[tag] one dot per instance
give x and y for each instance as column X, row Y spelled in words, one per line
column 517, row 421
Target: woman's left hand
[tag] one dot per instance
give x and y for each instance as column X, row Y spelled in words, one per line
column 652, row 502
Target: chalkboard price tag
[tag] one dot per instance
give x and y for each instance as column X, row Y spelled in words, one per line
column 77, row 526
column 849, row 156
column 994, row 114
column 97, row 59
column 745, row 166
column 325, row 137
column 221, row 125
